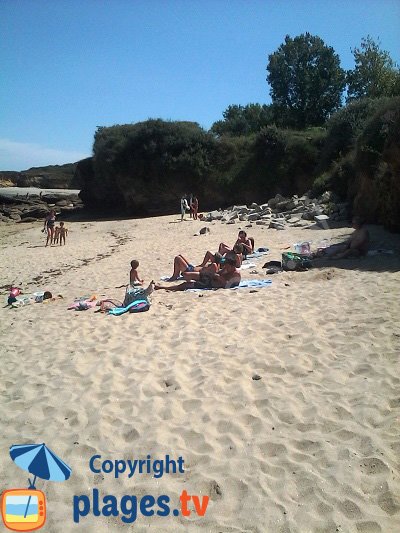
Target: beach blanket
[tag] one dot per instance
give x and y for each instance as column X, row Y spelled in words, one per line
column 258, row 253
column 244, row 266
column 254, row 283
column 245, row 283
column 247, row 264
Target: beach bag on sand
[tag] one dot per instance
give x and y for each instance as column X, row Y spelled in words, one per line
column 138, row 298
column 292, row 261
column 132, row 294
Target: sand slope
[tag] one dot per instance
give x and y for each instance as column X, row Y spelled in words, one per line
column 312, row 446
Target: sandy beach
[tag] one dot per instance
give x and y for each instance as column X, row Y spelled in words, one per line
column 283, row 402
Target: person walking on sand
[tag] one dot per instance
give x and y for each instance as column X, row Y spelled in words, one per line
column 184, row 207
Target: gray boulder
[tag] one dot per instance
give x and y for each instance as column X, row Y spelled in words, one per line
column 277, row 224
column 28, row 219
column 253, row 216
column 274, row 201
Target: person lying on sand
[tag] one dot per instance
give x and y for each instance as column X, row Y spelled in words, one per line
column 226, row 278
column 182, row 265
column 202, row 274
column 355, row 246
column 219, row 258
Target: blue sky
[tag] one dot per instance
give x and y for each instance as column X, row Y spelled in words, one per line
column 68, row 66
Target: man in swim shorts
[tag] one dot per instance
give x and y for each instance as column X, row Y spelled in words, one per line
column 227, row 278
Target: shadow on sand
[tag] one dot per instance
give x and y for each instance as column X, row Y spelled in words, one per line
column 380, row 240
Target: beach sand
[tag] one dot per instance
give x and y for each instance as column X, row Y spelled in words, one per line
column 311, row 445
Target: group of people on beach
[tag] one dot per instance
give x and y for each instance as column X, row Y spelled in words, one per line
column 218, row 270
column 55, row 234
column 221, row 269
column 189, row 203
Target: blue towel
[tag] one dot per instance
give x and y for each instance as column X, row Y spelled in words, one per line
column 254, row 283
column 121, row 310
column 245, row 283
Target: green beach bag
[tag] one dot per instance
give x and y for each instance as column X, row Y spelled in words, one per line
column 292, row 261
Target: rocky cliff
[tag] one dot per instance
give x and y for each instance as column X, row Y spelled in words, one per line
column 48, row 177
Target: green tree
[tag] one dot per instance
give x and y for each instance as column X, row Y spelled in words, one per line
column 375, row 73
column 306, row 80
column 243, row 120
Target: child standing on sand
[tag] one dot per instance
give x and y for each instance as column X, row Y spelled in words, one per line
column 56, row 237
column 62, row 233
column 134, row 275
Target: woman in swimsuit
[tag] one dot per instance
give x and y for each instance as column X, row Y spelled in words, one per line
column 49, row 223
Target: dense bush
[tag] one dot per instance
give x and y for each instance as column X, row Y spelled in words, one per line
column 378, row 165
column 344, row 127
column 147, row 165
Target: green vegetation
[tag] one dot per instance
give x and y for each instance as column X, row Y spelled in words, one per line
column 375, row 74
column 303, row 140
column 306, row 80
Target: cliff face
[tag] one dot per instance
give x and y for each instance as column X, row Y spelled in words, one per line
column 48, row 177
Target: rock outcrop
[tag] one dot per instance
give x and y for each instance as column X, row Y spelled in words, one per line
column 280, row 212
column 48, row 177
column 29, row 208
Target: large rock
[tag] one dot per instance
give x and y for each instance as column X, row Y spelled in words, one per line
column 279, row 223
column 53, row 198
column 274, row 201
column 36, row 211
column 322, row 221
column 285, row 205
column 229, row 217
column 214, row 215
column 28, row 219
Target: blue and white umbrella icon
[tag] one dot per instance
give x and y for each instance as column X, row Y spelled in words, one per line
column 40, row 461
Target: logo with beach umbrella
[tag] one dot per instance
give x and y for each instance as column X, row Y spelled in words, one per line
column 25, row 509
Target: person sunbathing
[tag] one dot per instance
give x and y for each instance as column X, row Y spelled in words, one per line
column 182, row 265
column 355, row 246
column 246, row 242
column 226, row 278
column 218, row 258
column 196, row 275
